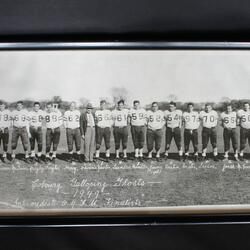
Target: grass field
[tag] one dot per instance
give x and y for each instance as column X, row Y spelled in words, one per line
column 120, row 184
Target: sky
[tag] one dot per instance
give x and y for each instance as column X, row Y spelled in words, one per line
column 197, row 76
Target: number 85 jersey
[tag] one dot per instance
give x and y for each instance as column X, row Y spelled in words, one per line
column 244, row 117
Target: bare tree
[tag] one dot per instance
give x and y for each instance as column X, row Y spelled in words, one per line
column 83, row 101
column 119, row 93
column 172, row 98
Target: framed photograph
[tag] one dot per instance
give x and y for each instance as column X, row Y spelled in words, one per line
column 124, row 128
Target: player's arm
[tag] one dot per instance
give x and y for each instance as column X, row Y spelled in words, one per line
column 65, row 119
column 28, row 120
column 238, row 118
column 180, row 119
column 129, row 118
column 60, row 118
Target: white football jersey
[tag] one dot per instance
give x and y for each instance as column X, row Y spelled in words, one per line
column 191, row 120
column 120, row 117
column 53, row 119
column 244, row 117
column 104, row 118
column 36, row 118
column 229, row 120
column 72, row 119
column 174, row 118
column 155, row 120
column 209, row 119
column 20, row 118
column 137, row 116
column 5, row 118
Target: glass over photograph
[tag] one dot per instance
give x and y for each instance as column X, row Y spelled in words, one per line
column 90, row 130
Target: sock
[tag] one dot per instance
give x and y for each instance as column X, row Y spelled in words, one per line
column 141, row 152
column 97, row 153
column 166, row 153
column 13, row 155
column 150, row 154
column 125, row 153
column 117, row 153
column 39, row 154
column 33, row 153
column 54, row 154
column 136, row 152
column 26, row 154
column 226, row 154
column 187, row 153
column 158, row 154
column 196, row 154
column 47, row 155
column 204, row 152
column 78, row 152
column 107, row 153
column 4, row 154
column 180, row 152
column 215, row 151
column 241, row 153
column 236, row 153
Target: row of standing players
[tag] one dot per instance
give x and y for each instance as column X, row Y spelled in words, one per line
column 93, row 127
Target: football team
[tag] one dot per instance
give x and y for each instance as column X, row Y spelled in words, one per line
column 92, row 127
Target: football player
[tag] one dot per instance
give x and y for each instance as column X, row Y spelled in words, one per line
column 229, row 123
column 5, row 122
column 104, row 123
column 120, row 118
column 20, row 123
column 53, row 120
column 155, row 124
column 36, row 121
column 173, row 118
column 209, row 119
column 191, row 122
column 137, row 117
column 244, row 121
column 73, row 134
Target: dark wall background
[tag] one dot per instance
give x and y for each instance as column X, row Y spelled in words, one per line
column 125, row 19
column 80, row 20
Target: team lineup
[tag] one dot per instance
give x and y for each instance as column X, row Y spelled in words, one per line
column 146, row 127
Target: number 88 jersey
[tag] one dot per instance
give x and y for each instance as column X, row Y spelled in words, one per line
column 53, row 119
column 244, row 117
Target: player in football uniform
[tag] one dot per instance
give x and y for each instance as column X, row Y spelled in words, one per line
column 53, row 121
column 73, row 134
column 20, row 123
column 137, row 117
column 155, row 124
column 104, row 123
column 191, row 121
column 244, row 121
column 5, row 123
column 36, row 121
column 229, row 123
column 209, row 119
column 120, row 119
column 173, row 118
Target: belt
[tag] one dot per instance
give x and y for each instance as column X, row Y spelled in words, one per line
column 209, row 128
column 154, row 129
column 191, row 129
column 19, row 127
column 102, row 127
column 73, row 128
column 120, row 126
column 173, row 128
column 53, row 128
column 36, row 127
column 141, row 126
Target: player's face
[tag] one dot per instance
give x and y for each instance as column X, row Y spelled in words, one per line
column 229, row 109
column 50, row 108
column 136, row 105
column 154, row 107
column 2, row 107
column 102, row 105
column 120, row 106
column 208, row 108
column 72, row 106
column 36, row 107
column 172, row 108
column 190, row 108
column 19, row 106
column 246, row 106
